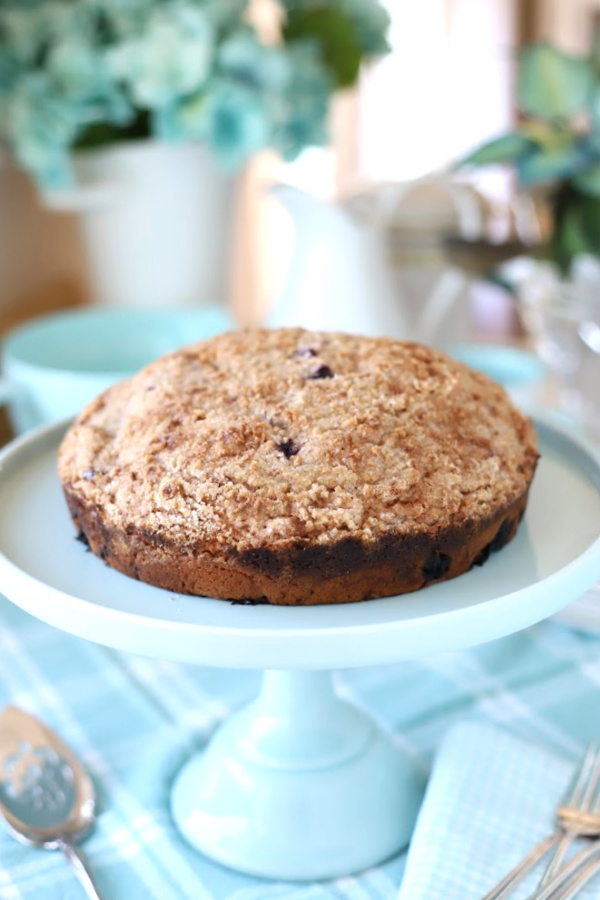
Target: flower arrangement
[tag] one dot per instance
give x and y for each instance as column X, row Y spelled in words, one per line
column 555, row 148
column 86, row 73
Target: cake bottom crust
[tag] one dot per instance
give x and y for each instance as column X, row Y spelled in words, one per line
column 343, row 573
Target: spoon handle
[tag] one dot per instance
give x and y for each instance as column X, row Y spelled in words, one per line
column 80, row 867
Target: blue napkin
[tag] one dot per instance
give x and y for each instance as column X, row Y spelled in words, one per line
column 491, row 797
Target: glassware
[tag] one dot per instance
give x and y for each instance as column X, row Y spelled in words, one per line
column 563, row 320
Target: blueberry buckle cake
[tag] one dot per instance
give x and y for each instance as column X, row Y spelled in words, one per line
column 296, row 467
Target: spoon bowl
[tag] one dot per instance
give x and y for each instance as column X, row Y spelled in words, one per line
column 46, row 796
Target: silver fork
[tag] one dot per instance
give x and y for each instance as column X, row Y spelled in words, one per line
column 577, row 816
column 573, row 820
column 572, row 877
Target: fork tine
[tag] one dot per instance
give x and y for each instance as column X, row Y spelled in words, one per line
column 593, row 777
column 594, row 806
column 577, row 787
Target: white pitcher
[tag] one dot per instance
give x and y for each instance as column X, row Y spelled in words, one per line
column 341, row 275
column 338, row 278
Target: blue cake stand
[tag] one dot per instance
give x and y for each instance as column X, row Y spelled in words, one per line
column 299, row 784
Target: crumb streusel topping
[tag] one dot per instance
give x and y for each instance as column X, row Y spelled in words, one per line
column 274, row 438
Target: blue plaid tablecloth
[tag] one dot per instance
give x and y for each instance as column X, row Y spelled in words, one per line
column 135, row 720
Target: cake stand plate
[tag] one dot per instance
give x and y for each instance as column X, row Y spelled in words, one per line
column 299, row 784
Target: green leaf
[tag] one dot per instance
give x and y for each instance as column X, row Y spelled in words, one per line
column 576, row 226
column 551, row 84
column 541, row 132
column 541, row 166
column 505, row 149
column 571, row 238
column 335, row 35
column 589, row 209
column 100, row 134
column 588, row 181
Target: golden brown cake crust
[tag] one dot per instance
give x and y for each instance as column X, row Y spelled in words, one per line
column 299, row 467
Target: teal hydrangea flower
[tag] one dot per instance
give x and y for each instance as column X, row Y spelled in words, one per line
column 301, row 117
column 172, row 57
column 40, row 128
column 232, row 118
column 10, row 71
column 77, row 73
column 237, row 124
column 224, row 15
column 245, row 60
column 122, row 18
column 77, row 69
column 23, row 33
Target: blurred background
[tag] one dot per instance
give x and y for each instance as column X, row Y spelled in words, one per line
column 446, row 85
column 445, row 152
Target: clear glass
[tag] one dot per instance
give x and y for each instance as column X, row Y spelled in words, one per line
column 565, row 328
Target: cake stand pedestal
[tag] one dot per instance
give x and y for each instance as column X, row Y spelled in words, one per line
column 299, row 784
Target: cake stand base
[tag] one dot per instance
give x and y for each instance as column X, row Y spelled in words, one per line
column 298, row 785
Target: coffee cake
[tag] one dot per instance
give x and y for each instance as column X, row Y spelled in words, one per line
column 295, row 467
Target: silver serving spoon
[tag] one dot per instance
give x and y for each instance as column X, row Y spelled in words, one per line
column 46, row 797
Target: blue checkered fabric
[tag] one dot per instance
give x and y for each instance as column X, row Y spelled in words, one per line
column 134, row 721
column 491, row 797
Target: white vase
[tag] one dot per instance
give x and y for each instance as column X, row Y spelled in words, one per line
column 156, row 223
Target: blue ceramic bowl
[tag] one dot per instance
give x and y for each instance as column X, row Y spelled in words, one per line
column 513, row 368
